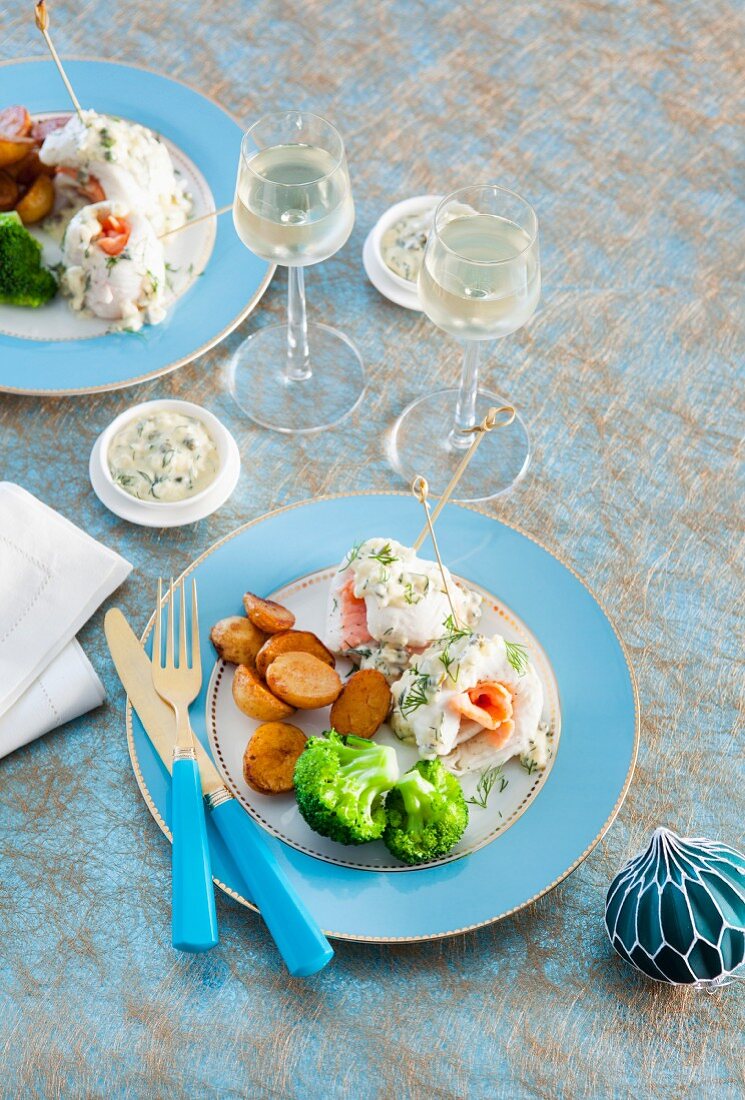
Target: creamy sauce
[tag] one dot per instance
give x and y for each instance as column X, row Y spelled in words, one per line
column 406, row 601
column 129, row 288
column 129, row 162
column 422, row 714
column 391, row 660
column 66, row 205
column 402, row 245
column 166, row 456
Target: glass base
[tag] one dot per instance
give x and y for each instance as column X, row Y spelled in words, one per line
column 420, row 444
column 258, row 381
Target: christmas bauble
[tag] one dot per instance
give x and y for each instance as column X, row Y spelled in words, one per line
column 677, row 910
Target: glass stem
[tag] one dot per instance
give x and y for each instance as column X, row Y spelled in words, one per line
column 298, row 354
column 465, row 409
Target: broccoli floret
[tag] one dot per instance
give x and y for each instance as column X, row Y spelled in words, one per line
column 426, row 814
column 23, row 280
column 340, row 784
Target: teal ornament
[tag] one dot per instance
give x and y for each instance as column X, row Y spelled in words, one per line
column 676, row 912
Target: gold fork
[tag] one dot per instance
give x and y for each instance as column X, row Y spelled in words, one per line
column 193, row 918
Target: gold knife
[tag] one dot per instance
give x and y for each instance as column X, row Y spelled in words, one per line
column 133, row 668
column 296, row 933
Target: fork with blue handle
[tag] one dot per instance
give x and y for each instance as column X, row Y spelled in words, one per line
column 299, row 940
column 193, row 916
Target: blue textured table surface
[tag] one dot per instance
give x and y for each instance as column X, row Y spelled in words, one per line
column 617, row 120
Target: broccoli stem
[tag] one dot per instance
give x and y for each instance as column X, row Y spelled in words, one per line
column 416, row 792
column 369, row 767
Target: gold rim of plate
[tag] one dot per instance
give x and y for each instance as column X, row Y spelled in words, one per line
column 233, row 324
column 453, row 931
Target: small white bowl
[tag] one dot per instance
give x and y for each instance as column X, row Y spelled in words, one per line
column 166, row 513
column 391, row 285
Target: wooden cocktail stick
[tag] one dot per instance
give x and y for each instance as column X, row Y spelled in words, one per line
column 195, row 221
column 42, row 22
column 420, row 489
column 478, row 431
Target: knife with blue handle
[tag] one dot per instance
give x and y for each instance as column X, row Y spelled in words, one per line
column 299, row 940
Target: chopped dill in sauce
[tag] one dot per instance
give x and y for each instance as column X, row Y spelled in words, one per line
column 166, row 456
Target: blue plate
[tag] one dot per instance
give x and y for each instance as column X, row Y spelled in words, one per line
column 234, row 279
column 600, row 722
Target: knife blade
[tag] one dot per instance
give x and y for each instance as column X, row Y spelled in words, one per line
column 133, row 669
column 295, row 931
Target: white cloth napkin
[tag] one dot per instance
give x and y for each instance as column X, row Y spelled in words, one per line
column 67, row 688
column 53, row 576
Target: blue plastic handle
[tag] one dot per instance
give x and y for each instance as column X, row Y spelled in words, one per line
column 300, row 941
column 193, row 918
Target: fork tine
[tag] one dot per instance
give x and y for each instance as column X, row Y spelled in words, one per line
column 169, row 635
column 182, row 658
column 196, row 660
column 157, row 639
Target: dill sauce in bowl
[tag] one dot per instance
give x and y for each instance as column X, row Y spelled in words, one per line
column 163, row 453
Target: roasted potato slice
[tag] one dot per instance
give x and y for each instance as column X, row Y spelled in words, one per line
column 303, row 680
column 37, row 202
column 363, row 704
column 292, row 641
column 270, row 757
column 13, row 149
column 269, row 616
column 237, row 640
column 25, row 171
column 254, row 698
column 9, row 191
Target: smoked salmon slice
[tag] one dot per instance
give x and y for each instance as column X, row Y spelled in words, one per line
column 114, row 235
column 92, row 189
column 353, row 616
column 488, row 703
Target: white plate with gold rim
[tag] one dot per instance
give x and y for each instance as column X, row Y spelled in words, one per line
column 230, row 731
column 551, row 823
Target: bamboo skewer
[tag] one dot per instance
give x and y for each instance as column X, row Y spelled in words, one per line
column 41, row 16
column 420, row 489
column 478, row 431
column 195, row 221
column 42, row 22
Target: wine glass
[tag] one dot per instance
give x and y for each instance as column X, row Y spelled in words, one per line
column 293, row 206
column 480, row 280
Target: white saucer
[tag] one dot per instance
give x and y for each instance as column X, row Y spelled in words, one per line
column 390, row 285
column 169, row 514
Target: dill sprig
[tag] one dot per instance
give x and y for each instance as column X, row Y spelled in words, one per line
column 416, row 696
column 453, row 633
column 517, row 655
column 486, row 783
column 529, row 764
column 350, row 556
column 447, row 661
column 385, row 555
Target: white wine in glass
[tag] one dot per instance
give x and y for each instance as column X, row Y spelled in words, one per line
column 466, row 293
column 480, row 280
column 293, row 206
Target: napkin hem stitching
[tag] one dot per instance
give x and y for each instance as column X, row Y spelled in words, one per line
column 48, row 698
column 47, row 578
